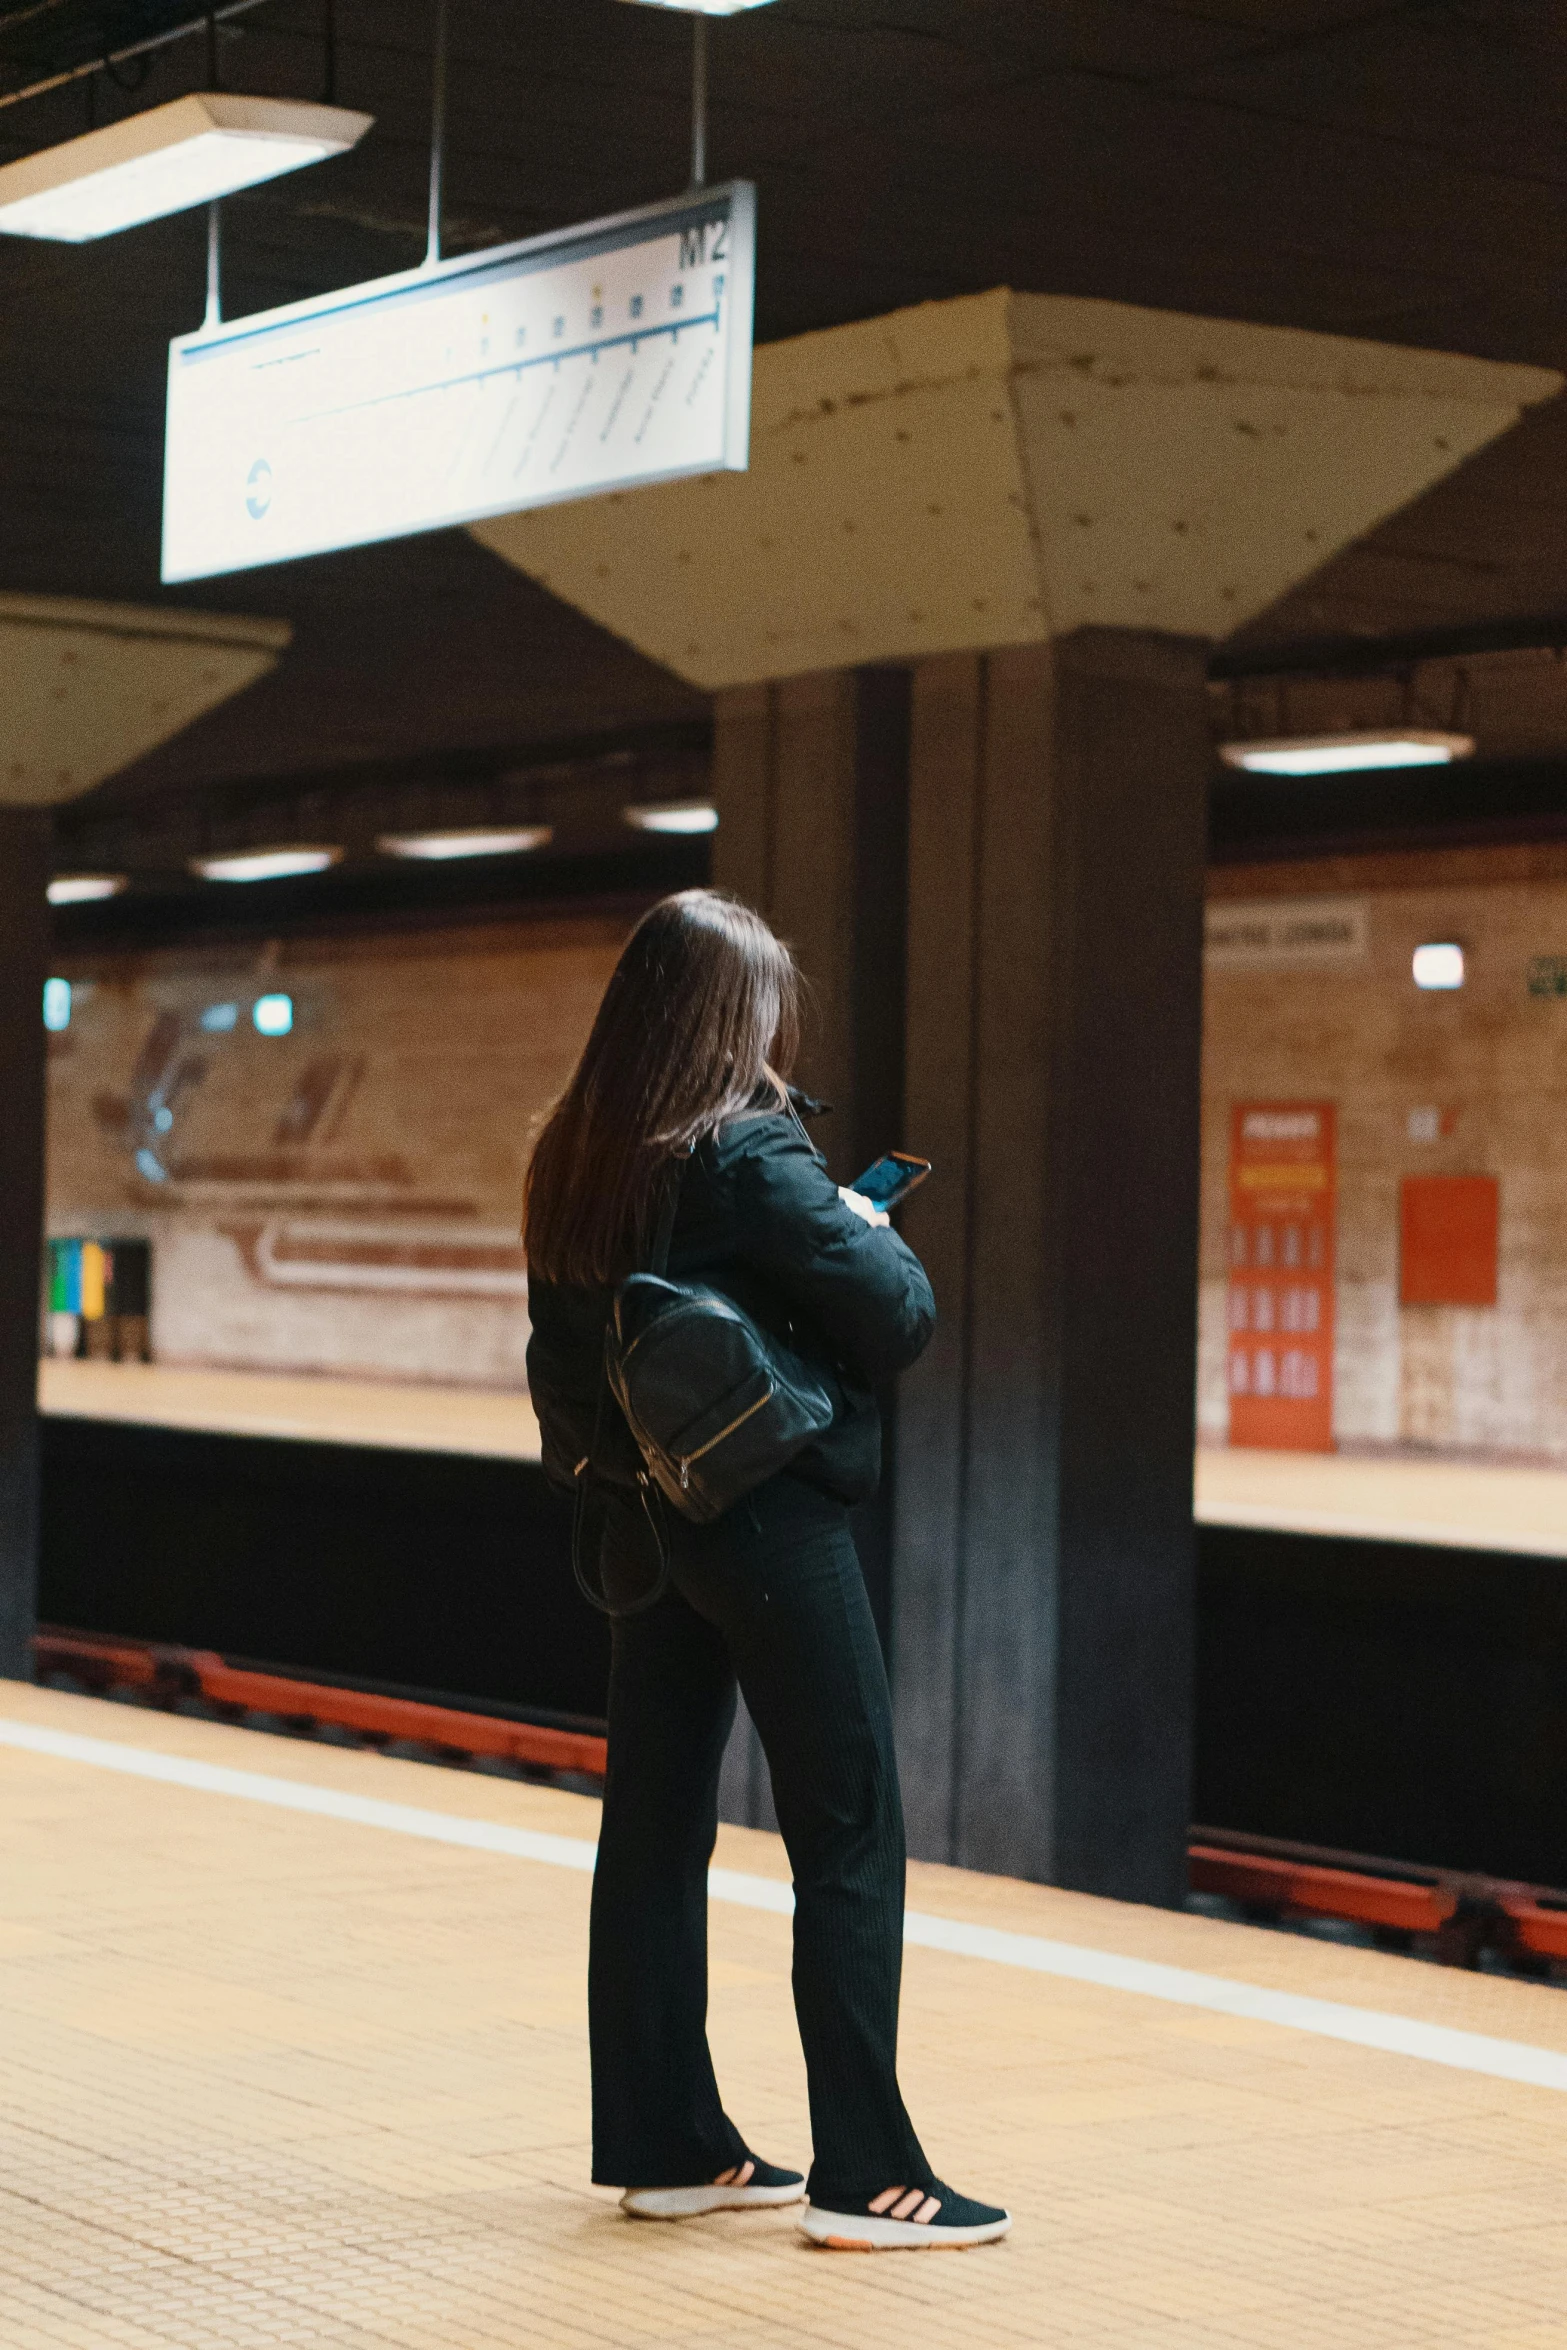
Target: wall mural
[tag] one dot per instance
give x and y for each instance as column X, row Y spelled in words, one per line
column 323, row 1143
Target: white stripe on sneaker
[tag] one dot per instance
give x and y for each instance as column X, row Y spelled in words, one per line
column 696, row 2202
column 1328, row 2019
column 843, row 2231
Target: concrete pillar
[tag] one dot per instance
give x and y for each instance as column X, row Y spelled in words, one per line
column 810, row 777
column 24, row 949
column 1044, row 1541
column 85, row 689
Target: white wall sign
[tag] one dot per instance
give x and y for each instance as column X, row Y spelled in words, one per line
column 587, row 360
column 1256, row 932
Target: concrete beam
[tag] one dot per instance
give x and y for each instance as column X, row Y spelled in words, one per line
column 1007, row 468
column 88, row 688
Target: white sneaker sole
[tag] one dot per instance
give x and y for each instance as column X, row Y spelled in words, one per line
column 693, row 2202
column 842, row 2231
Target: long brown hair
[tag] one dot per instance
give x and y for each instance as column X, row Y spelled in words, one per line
column 702, row 1010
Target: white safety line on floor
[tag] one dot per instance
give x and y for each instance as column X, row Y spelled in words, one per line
column 1329, row 2019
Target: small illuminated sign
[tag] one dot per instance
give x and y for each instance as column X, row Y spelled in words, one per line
column 588, row 360
column 1256, row 933
column 1439, row 965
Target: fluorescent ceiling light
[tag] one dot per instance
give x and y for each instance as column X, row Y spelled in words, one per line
column 674, row 816
column 82, row 889
column 264, row 864
column 167, row 160
column 57, row 1005
column 473, row 842
column 1439, row 965
column 705, row 7
column 273, row 1015
column 1339, row 754
column 218, row 1019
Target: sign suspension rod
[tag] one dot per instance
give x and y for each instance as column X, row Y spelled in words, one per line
column 699, row 101
column 437, row 134
column 214, row 316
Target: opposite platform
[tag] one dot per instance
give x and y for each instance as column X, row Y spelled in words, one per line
column 1415, row 1498
column 296, row 2054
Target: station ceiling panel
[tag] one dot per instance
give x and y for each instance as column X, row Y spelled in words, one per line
column 1391, row 176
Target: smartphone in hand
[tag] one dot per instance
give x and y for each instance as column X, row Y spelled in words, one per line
column 889, row 1182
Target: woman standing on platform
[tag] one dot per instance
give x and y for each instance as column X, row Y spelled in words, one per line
column 684, row 1080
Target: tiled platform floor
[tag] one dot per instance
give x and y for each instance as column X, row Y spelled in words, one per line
column 272, row 2079
column 403, row 1415
column 1470, row 1505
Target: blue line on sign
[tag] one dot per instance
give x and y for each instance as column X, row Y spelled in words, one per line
column 650, row 225
column 516, row 367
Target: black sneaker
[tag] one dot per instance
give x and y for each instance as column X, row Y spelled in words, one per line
column 956, row 2223
column 767, row 2185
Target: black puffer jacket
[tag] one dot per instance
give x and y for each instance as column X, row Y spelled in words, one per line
column 759, row 1218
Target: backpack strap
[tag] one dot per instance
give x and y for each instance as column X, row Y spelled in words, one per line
column 651, row 1501
column 664, row 1233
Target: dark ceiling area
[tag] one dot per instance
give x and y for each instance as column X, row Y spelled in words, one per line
column 44, row 42
column 1392, row 172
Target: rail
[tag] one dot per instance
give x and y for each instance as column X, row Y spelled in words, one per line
column 1460, row 1915
column 1464, row 1913
column 164, row 1675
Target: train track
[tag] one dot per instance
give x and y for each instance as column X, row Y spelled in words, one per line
column 1454, row 1916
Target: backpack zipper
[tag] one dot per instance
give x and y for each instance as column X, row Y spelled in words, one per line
column 750, row 1412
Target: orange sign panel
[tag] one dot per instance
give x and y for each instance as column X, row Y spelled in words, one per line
column 1283, row 1195
column 1447, row 1240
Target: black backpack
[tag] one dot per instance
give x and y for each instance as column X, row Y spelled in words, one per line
column 715, row 1403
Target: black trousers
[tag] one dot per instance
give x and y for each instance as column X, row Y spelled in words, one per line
column 771, row 1594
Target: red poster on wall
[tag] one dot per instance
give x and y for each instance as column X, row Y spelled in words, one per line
column 1283, row 1191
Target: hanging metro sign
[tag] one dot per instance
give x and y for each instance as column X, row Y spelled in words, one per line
column 592, row 359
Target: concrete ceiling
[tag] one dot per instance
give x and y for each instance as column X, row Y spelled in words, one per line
column 1398, row 174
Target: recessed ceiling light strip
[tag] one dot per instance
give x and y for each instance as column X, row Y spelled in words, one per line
column 272, row 864
column 466, row 841
column 706, row 7
column 1347, row 754
column 683, row 816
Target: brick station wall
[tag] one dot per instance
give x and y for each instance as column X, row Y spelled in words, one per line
column 344, row 1198
column 1490, row 1060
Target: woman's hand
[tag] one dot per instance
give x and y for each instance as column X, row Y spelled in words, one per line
column 867, row 1210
